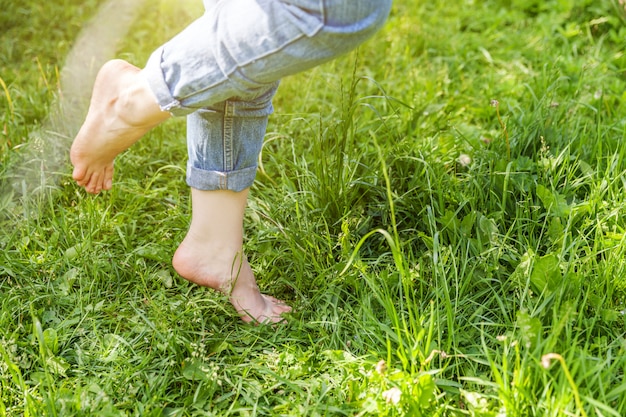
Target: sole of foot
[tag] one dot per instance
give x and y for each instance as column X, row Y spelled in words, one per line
column 122, row 109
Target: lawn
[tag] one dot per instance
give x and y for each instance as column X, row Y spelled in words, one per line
column 444, row 208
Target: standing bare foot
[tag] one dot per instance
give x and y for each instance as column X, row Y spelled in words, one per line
column 122, row 110
column 211, row 255
column 230, row 275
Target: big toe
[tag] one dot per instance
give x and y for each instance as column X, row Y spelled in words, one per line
column 78, row 174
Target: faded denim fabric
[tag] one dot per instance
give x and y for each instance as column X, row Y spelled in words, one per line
column 223, row 70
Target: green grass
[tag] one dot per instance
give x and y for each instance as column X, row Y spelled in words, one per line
column 475, row 247
column 34, row 40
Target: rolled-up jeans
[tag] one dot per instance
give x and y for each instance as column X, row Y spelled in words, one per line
column 223, row 70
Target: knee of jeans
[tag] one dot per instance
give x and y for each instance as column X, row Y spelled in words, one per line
column 363, row 17
column 256, row 102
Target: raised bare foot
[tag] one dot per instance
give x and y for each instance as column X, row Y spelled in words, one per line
column 121, row 111
column 228, row 272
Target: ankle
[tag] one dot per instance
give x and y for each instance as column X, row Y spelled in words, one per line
column 136, row 104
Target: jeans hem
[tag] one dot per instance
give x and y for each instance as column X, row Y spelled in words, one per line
column 204, row 180
column 154, row 75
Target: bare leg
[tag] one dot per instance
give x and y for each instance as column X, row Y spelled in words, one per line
column 211, row 255
column 122, row 110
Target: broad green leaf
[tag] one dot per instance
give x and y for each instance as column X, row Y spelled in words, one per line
column 529, row 328
column 426, row 392
column 546, row 273
column 553, row 202
column 51, row 340
column 195, row 370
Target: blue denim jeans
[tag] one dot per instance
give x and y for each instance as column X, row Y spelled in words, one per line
column 223, row 70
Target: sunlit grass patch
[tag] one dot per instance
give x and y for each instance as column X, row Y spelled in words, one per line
column 445, row 254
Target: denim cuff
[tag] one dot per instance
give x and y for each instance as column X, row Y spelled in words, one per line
column 156, row 81
column 204, row 180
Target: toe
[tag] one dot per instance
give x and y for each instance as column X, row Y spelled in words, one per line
column 108, row 179
column 79, row 175
column 273, row 300
column 94, row 186
column 278, row 306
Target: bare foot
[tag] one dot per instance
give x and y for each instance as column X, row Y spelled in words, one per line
column 122, row 110
column 228, row 272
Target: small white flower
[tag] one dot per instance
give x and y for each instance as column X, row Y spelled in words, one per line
column 465, row 160
column 381, row 367
column 392, row 396
column 546, row 360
